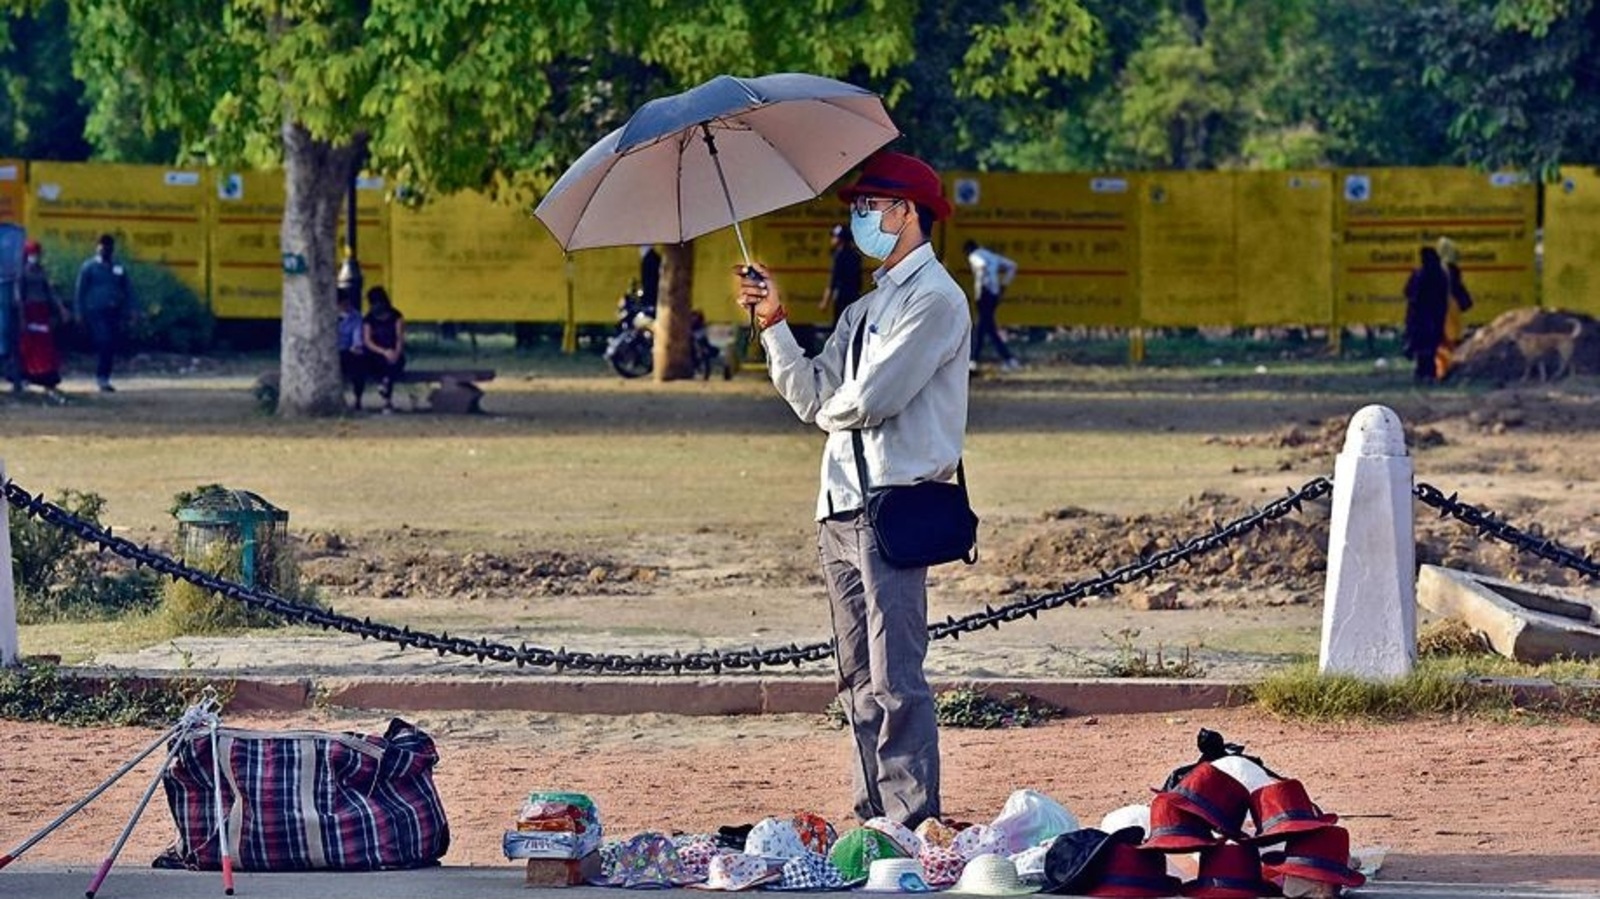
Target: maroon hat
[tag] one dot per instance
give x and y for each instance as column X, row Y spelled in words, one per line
column 1214, row 796
column 1229, row 871
column 1283, row 808
column 1131, row 871
column 1175, row 829
column 889, row 174
column 1320, row 855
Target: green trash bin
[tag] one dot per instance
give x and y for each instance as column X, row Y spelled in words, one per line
column 251, row 528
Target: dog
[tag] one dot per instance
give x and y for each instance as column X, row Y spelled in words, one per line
column 1538, row 349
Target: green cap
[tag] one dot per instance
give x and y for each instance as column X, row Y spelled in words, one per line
column 856, row 850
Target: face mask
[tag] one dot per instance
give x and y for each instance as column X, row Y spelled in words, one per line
column 867, row 229
column 33, row 260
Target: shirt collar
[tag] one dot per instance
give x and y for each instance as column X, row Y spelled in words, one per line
column 907, row 267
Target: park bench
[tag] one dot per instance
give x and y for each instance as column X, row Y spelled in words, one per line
column 457, row 389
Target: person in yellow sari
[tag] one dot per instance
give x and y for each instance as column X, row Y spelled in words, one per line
column 1459, row 302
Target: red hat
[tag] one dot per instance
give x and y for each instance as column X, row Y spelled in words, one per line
column 1174, row 829
column 1229, row 871
column 31, row 246
column 898, row 175
column 1283, row 808
column 1213, row 795
column 1133, row 872
column 1321, row 855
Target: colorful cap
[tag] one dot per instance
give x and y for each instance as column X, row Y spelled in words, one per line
column 857, row 849
column 735, row 871
column 815, row 832
column 808, row 872
column 774, row 838
column 910, row 844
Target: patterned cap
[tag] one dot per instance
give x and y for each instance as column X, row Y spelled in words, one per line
column 774, row 838
column 942, row 865
column 857, row 849
column 695, row 851
column 647, row 861
column 933, row 832
column 734, row 871
column 910, row 844
column 815, row 832
column 809, row 872
column 1030, row 863
column 979, row 839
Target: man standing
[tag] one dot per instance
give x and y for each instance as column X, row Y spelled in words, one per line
column 844, row 278
column 894, row 370
column 991, row 273
column 102, row 300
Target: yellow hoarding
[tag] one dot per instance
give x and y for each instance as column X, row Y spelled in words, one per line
column 465, row 258
column 13, row 191
column 1382, row 217
column 157, row 214
column 1188, row 250
column 1572, row 241
column 246, row 225
column 715, row 256
column 1073, row 237
column 599, row 278
column 1284, row 227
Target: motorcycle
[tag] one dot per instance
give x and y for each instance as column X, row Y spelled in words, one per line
column 631, row 350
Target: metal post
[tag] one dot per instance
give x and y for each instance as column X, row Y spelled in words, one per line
column 10, row 655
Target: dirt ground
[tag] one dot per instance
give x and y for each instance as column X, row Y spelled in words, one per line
column 1461, row 802
column 1074, row 471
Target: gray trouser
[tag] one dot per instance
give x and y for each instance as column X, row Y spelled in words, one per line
column 880, row 631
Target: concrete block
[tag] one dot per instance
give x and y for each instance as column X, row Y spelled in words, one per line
column 1369, row 616
column 1517, row 622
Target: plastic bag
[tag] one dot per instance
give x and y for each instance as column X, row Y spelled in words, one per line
column 1030, row 818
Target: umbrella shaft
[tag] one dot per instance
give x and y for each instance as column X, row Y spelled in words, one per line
column 711, row 146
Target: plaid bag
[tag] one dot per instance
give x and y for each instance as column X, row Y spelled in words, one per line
column 298, row 800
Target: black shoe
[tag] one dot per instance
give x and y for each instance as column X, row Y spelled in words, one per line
column 105, row 387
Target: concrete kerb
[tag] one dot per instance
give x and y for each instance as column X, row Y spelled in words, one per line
column 715, row 696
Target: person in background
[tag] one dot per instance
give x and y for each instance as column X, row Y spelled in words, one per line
column 894, row 374
column 383, row 336
column 991, row 273
column 38, row 313
column 1460, row 302
column 649, row 276
column 844, row 276
column 352, row 346
column 1427, row 294
column 103, row 300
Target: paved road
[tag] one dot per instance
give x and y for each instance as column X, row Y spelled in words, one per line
column 68, row 882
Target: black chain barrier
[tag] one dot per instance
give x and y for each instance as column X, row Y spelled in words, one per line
column 715, row 661
column 1487, row 524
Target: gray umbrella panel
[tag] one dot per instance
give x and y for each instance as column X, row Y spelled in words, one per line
column 667, row 190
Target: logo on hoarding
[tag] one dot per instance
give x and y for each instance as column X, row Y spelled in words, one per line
column 1507, row 179
column 1109, row 185
column 1358, row 188
column 967, row 192
column 182, row 179
column 49, row 192
column 231, row 187
column 369, row 183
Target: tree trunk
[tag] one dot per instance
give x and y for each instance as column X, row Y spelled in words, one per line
column 674, row 360
column 316, row 176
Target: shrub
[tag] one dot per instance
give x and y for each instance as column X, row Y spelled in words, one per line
column 40, row 692
column 58, row 577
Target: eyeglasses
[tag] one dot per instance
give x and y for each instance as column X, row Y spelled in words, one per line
column 863, row 205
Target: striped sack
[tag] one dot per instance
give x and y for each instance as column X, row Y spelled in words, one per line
column 299, row 800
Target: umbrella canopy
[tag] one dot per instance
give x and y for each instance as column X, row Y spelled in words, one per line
column 713, row 156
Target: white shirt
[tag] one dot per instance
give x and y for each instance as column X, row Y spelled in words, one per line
column 990, row 271
column 909, row 398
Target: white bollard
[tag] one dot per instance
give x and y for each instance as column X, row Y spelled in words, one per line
column 1369, row 609
column 10, row 655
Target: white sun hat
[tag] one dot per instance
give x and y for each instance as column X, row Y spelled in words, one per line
column 991, row 875
column 897, row 875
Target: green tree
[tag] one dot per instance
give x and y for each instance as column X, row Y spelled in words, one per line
column 41, row 105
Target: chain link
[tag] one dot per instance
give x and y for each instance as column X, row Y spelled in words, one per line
column 1487, row 524
column 713, row 661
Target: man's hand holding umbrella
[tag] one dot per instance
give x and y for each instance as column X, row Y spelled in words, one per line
column 759, row 296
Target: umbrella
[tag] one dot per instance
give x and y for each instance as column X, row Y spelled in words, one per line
column 661, row 177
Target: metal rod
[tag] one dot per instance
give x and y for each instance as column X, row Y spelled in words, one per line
column 144, row 802
column 16, row 853
column 222, row 821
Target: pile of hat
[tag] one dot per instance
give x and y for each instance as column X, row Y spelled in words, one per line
column 1204, row 811
column 562, row 826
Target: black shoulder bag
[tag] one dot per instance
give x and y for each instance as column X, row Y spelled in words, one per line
column 922, row 524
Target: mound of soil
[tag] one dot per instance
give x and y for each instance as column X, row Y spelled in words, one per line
column 1494, row 353
column 394, row 565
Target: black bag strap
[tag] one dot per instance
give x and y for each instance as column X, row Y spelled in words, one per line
column 856, row 343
